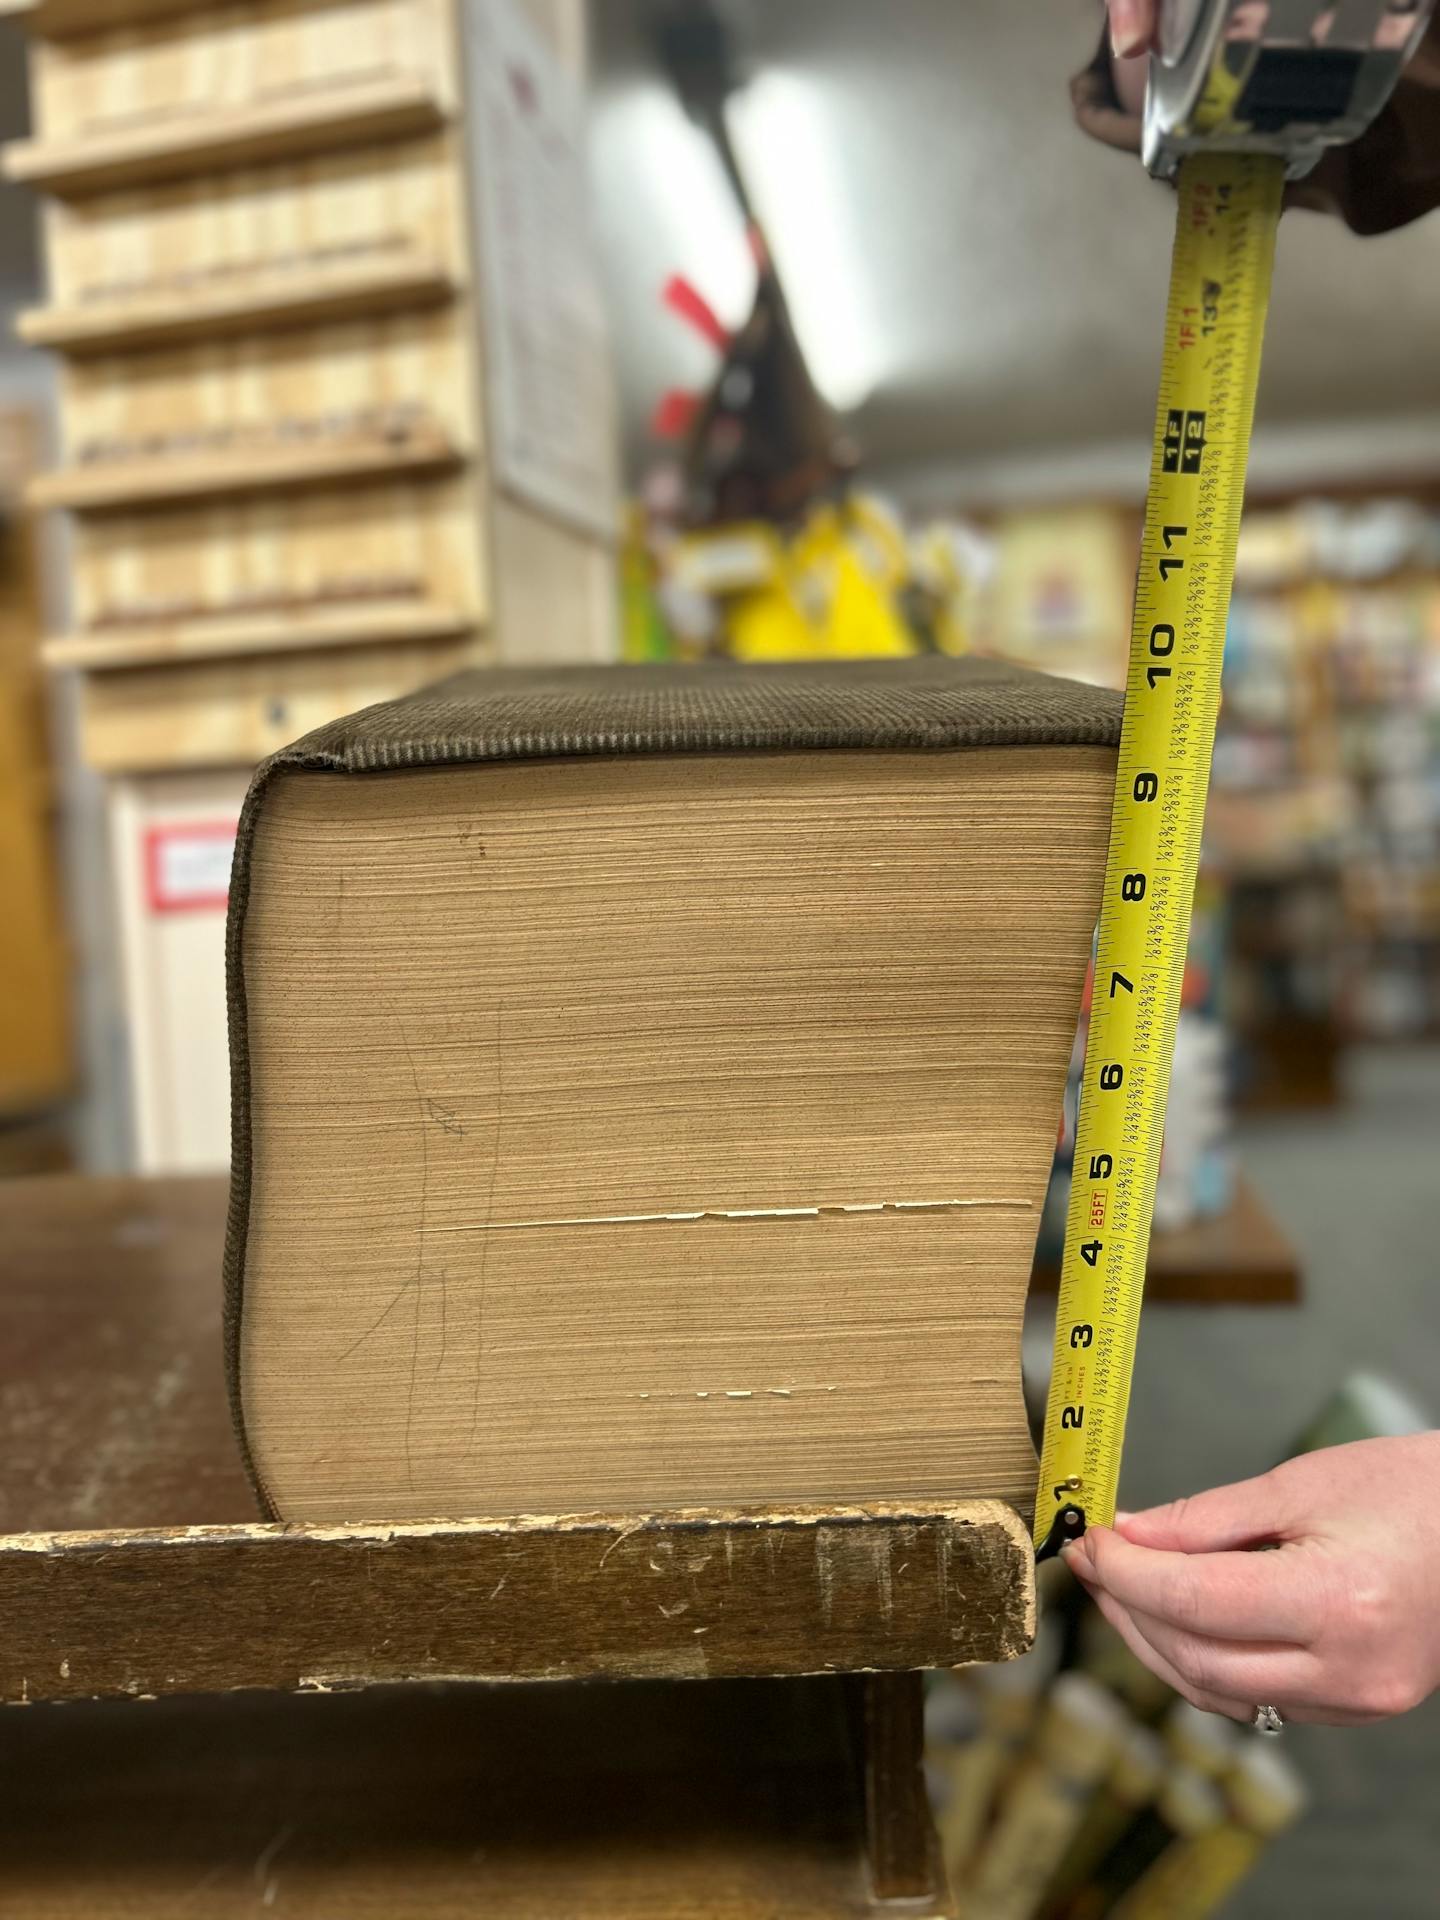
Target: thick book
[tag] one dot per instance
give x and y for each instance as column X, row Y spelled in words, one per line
column 645, row 1082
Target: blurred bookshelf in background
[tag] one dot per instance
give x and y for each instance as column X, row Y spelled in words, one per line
column 1317, row 921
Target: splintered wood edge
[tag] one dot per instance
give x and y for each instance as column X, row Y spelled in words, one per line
column 676, row 1594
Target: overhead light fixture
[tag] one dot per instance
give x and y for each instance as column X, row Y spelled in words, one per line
column 671, row 174
column 787, row 132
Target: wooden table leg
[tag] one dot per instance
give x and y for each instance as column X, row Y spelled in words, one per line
column 899, row 1833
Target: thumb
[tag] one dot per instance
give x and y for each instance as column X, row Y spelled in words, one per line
column 1132, row 26
column 1247, row 1514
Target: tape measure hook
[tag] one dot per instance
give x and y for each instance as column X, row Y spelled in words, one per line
column 1068, row 1525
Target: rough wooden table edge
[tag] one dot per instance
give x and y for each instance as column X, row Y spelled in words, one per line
column 961, row 1513
column 680, row 1594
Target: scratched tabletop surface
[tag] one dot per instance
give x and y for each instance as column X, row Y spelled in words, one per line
column 112, row 1394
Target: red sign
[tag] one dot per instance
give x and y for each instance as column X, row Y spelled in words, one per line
column 187, row 865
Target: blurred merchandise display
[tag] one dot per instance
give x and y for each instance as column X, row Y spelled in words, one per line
column 751, row 539
column 1323, row 827
column 978, row 1726
column 1366, row 1406
column 1064, row 580
column 844, row 582
column 1074, row 1785
column 1076, row 1738
column 1326, row 803
column 1318, row 918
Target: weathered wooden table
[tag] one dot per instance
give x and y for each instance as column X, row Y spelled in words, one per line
column 227, row 1717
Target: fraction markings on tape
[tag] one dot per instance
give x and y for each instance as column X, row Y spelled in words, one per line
column 1229, row 210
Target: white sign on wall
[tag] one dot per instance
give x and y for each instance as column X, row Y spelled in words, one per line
column 187, row 865
column 546, row 352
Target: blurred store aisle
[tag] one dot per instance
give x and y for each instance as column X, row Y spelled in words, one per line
column 1219, row 1394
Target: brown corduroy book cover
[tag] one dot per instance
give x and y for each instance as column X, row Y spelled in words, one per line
column 645, row 1082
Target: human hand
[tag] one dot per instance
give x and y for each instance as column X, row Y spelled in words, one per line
column 1339, row 1624
column 1132, row 26
column 1109, row 94
column 1388, row 176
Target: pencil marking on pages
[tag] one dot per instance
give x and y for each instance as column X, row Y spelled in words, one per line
column 419, row 1280
column 481, row 1277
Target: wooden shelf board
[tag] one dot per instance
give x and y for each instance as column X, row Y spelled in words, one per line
column 268, row 302
column 60, row 19
column 1239, row 1258
column 344, row 625
column 118, row 487
column 229, row 137
column 231, row 713
column 732, row 1801
column 133, row 1566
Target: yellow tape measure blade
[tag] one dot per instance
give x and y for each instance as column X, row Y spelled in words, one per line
column 1227, row 216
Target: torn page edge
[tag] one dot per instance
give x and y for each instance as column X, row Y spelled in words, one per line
column 734, row 1213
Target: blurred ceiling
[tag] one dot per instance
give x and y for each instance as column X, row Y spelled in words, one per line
column 971, row 276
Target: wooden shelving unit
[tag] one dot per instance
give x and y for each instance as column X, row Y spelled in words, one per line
column 354, row 115
column 231, row 712
column 111, row 486
column 238, row 345
column 268, row 301
column 283, row 349
column 297, row 255
column 298, row 631
column 133, row 1572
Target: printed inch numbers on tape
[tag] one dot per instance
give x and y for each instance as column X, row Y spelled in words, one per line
column 1228, row 214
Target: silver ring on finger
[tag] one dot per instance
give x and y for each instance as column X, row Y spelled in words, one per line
column 1268, row 1720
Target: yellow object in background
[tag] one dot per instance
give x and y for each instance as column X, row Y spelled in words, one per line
column 947, row 586
column 849, row 583
column 831, row 592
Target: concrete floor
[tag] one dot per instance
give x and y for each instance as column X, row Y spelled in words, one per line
column 1221, row 1393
